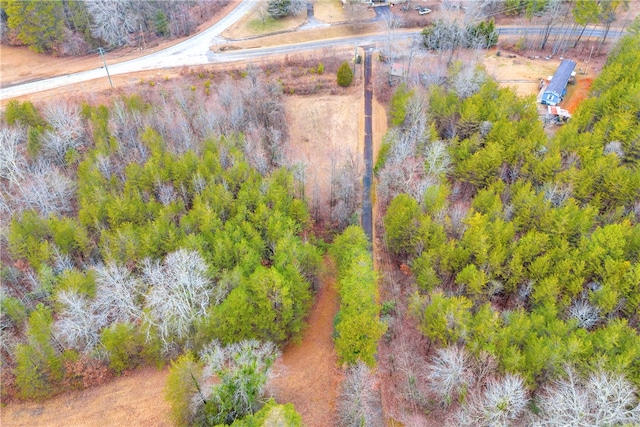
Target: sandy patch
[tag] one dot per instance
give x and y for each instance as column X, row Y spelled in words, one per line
column 134, row 400
column 324, row 132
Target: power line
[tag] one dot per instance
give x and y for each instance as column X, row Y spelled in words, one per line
column 101, row 52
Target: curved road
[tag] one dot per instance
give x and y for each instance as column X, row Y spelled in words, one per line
column 196, row 51
column 193, row 51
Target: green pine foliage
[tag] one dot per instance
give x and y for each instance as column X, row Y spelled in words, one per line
column 539, row 268
column 271, row 414
column 39, row 366
column 357, row 327
column 399, row 102
column 38, row 24
column 182, row 384
column 123, row 343
column 345, row 74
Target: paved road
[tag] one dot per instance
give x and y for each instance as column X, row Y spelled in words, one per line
column 193, row 51
column 196, row 51
column 367, row 221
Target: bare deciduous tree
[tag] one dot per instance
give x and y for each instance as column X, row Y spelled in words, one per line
column 114, row 20
column 437, row 159
column 79, row 323
column 356, row 404
column 614, row 147
column 297, row 7
column 47, row 190
column 468, row 81
column 449, row 373
column 67, row 132
column 179, row 293
column 12, row 161
column 346, row 190
column 603, row 399
column 117, row 293
column 501, row 403
column 585, row 313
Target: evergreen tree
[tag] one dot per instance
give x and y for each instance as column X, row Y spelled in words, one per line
column 345, row 74
column 37, row 24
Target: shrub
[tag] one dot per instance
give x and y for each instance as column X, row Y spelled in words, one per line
column 345, row 74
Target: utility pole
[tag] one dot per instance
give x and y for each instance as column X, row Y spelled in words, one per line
column 101, row 52
column 355, row 60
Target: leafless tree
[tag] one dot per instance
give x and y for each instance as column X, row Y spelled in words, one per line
column 437, row 159
column 12, row 161
column 47, row 190
column 557, row 193
column 117, row 293
column 390, row 48
column 614, row 147
column 468, row 81
column 179, row 293
column 208, row 121
column 254, row 150
column 480, row 10
column 449, row 374
column 78, row 324
column 297, row 7
column 67, row 131
column 501, row 403
column 585, row 313
column 114, row 20
column 356, row 404
column 457, row 214
column 416, row 121
column 603, row 399
column 412, row 368
column 262, row 12
column 346, row 189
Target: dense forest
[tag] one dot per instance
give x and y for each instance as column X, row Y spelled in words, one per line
column 157, row 224
column 524, row 249
column 76, row 27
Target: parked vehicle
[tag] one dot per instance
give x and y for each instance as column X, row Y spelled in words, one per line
column 424, row 11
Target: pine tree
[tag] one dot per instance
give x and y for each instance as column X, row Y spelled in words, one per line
column 345, row 74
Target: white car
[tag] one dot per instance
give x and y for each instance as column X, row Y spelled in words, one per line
column 424, row 11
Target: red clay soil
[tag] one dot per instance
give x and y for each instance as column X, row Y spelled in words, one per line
column 577, row 93
column 133, row 400
column 307, row 374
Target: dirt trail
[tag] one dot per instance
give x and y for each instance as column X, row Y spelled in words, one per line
column 135, row 400
column 307, row 375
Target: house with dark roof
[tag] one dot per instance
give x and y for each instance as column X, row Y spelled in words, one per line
column 557, row 88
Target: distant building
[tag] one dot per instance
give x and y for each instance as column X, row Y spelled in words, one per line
column 557, row 88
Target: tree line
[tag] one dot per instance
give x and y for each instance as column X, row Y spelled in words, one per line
column 74, row 27
column 523, row 248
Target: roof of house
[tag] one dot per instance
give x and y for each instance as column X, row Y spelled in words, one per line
column 561, row 77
